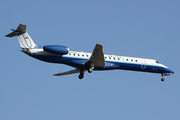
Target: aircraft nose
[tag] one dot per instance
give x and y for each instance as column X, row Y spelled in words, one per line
column 170, row 71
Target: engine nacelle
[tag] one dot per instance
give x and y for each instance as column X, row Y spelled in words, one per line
column 56, row 49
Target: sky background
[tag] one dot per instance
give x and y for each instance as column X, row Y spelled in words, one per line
column 135, row 28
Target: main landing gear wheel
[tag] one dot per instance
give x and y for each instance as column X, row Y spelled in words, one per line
column 162, row 79
column 81, row 76
column 90, row 69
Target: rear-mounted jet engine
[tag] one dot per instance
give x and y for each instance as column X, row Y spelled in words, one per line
column 56, row 49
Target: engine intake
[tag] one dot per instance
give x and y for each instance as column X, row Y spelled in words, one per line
column 56, row 49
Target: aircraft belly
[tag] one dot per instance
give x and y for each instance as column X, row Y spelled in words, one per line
column 48, row 58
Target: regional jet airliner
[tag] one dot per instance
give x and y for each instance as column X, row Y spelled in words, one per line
column 83, row 61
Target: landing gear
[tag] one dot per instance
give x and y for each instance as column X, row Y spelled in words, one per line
column 162, row 79
column 90, row 69
column 81, row 74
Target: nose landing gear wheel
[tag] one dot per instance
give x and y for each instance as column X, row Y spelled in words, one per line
column 162, row 79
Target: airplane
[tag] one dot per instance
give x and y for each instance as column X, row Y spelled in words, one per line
column 83, row 61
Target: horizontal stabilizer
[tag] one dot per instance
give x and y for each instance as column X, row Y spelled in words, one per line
column 68, row 72
column 11, row 34
column 20, row 30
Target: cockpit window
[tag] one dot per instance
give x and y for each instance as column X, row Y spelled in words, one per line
column 157, row 62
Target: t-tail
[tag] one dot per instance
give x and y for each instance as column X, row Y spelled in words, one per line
column 25, row 40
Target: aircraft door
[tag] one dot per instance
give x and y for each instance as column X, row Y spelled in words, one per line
column 143, row 64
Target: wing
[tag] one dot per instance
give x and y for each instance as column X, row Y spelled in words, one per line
column 97, row 56
column 68, row 72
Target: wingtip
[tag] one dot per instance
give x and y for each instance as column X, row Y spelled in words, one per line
column 55, row 75
column 99, row 44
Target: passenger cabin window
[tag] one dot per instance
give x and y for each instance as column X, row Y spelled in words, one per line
column 87, row 55
column 83, row 55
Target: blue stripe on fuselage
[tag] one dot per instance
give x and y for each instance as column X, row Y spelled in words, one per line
column 78, row 62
